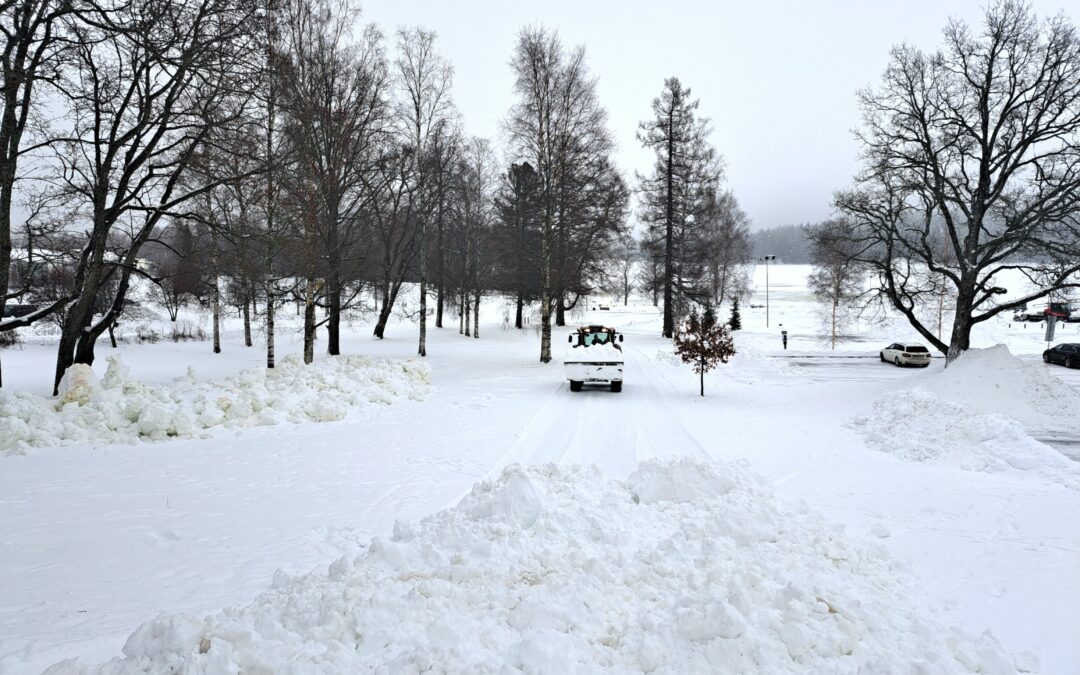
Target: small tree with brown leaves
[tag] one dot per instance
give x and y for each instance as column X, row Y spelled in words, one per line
column 704, row 343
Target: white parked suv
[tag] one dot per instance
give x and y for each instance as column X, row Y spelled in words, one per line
column 594, row 357
column 906, row 354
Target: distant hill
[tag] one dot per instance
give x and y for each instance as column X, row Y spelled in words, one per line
column 787, row 242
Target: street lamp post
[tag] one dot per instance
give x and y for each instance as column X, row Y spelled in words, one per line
column 766, row 260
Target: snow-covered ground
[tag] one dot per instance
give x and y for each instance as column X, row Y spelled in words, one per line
column 810, row 514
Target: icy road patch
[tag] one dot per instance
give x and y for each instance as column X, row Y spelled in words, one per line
column 683, row 567
column 119, row 409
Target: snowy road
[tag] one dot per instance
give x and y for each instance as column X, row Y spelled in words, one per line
column 613, row 431
column 98, row 540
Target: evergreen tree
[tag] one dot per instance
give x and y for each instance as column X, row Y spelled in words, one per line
column 735, row 322
column 686, row 172
column 704, row 343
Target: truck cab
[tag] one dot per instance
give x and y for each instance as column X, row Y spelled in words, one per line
column 594, row 357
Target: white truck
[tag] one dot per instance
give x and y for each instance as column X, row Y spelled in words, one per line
column 594, row 357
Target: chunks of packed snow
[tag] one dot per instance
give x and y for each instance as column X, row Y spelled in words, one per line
column 560, row 570
column 918, row 426
column 120, row 409
column 993, row 380
column 597, row 352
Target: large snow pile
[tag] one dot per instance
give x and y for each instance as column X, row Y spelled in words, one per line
column 993, row 380
column 916, row 425
column 685, row 567
column 120, row 409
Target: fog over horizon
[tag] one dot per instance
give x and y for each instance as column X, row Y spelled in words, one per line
column 777, row 79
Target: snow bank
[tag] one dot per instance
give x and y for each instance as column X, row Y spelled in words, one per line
column 120, row 409
column 993, row 380
column 916, row 425
column 684, row 567
column 973, row 414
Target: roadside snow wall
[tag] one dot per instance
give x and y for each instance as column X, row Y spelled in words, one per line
column 976, row 415
column 685, row 567
column 119, row 409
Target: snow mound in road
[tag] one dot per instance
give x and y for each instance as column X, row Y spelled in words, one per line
column 561, row 570
column 993, row 380
column 120, row 409
column 916, row 425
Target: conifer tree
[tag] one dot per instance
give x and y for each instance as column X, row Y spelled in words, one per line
column 735, row 322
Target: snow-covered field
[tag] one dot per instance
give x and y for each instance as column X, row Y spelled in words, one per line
column 817, row 511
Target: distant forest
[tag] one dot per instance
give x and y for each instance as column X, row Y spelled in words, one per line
column 787, row 242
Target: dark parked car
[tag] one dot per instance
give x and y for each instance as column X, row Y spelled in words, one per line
column 1067, row 355
column 18, row 310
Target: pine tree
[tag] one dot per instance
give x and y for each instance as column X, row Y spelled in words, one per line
column 735, row 322
column 704, row 343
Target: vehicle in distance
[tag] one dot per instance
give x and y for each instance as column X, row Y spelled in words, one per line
column 1066, row 354
column 19, row 310
column 906, row 354
column 1060, row 310
column 594, row 357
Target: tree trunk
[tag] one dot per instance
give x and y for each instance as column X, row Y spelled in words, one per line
column 669, row 217
column 247, row 321
column 519, row 311
column 309, row 320
column 834, row 324
column 112, row 334
column 461, row 314
column 216, row 309
column 270, row 361
column 422, row 347
column 560, row 311
column 333, row 325
column 468, row 312
column 389, row 296
column 476, row 317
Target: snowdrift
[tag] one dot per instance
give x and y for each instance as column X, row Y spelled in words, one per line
column 973, row 415
column 119, row 409
column 917, row 426
column 684, row 567
column 993, row 380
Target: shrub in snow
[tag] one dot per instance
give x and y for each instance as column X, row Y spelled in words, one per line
column 704, row 343
column 120, row 409
column 683, row 568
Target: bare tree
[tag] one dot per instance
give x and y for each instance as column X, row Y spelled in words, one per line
column 425, row 79
column 31, row 56
column 976, row 145
column 837, row 279
column 149, row 82
column 335, row 95
column 557, row 115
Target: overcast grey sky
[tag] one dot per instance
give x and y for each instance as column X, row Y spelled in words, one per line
column 777, row 79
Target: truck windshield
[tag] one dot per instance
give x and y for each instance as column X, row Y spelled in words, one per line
column 594, row 338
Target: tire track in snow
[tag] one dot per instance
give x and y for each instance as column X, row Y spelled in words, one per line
column 613, row 431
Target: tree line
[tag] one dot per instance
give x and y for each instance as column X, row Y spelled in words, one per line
column 258, row 152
